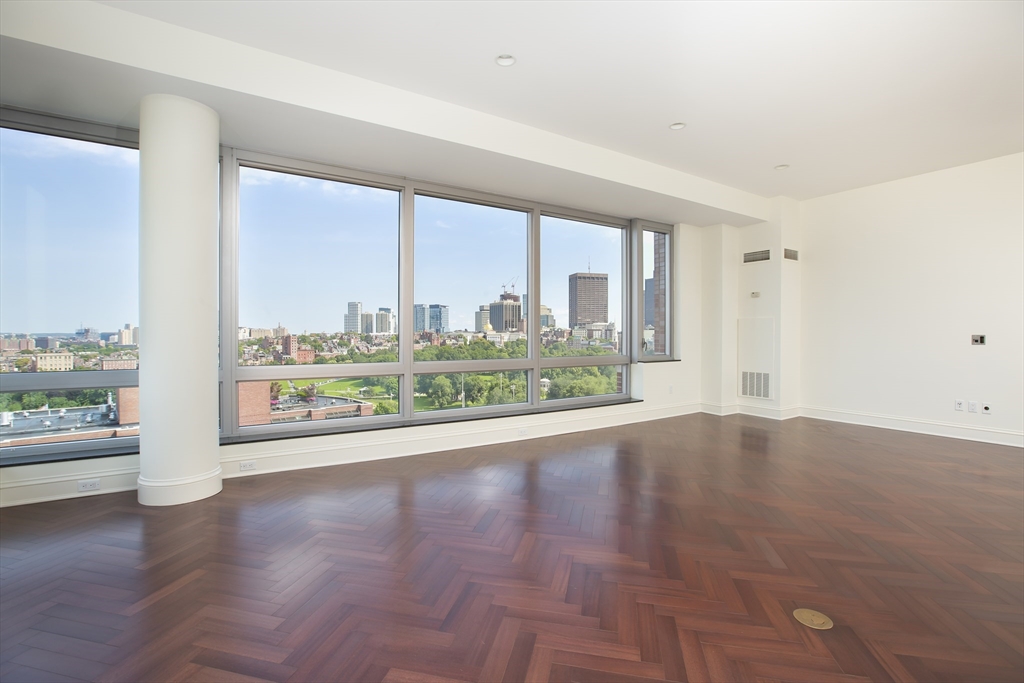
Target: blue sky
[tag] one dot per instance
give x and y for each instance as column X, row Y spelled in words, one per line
column 69, row 245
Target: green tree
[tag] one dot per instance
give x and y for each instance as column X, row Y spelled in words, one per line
column 441, row 392
column 386, row 408
column 308, row 392
column 275, row 390
column 9, row 403
column 476, row 389
column 33, row 400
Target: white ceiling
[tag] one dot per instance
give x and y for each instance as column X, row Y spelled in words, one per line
column 848, row 93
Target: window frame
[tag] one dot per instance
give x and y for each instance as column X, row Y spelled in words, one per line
column 15, row 118
column 638, row 228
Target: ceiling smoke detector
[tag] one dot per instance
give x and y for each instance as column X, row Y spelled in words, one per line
column 677, row 126
column 782, row 167
column 505, row 60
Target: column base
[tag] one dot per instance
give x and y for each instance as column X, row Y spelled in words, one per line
column 178, row 491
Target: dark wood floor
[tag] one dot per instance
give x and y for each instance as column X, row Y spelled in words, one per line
column 675, row 550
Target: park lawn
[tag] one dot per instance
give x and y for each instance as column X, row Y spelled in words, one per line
column 424, row 403
column 340, row 387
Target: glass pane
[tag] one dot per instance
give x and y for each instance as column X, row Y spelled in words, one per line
column 577, row 382
column 49, row 417
column 471, row 297
column 469, row 390
column 305, row 400
column 317, row 270
column 655, row 289
column 69, row 254
column 581, row 285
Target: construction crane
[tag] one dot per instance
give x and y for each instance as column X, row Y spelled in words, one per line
column 511, row 283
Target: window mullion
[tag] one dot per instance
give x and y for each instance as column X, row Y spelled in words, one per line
column 229, row 291
column 406, row 274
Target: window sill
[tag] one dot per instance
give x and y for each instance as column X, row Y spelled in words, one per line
column 421, row 420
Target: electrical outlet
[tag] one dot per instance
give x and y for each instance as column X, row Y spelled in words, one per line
column 88, row 485
column 958, row 404
column 986, row 409
column 247, row 465
column 522, row 431
column 972, row 406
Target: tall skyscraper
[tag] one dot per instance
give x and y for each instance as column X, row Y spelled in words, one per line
column 588, row 298
column 506, row 313
column 353, row 319
column 385, row 321
column 482, row 318
column 366, row 323
column 648, row 301
column 438, row 318
column 660, row 287
column 419, row 318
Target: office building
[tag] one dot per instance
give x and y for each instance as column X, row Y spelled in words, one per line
column 482, row 319
column 547, row 319
column 824, row 484
column 419, row 318
column 437, row 320
column 588, row 298
column 289, row 345
column 366, row 324
column 54, row 362
column 354, row 317
column 386, row 323
column 506, row 313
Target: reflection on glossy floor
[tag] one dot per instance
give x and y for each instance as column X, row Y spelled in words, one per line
column 675, row 549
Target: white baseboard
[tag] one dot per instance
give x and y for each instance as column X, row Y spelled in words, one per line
column 770, row 412
column 58, row 480
column 1003, row 437
column 719, row 409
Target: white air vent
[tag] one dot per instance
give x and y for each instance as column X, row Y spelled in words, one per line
column 791, row 254
column 754, row 256
column 756, row 385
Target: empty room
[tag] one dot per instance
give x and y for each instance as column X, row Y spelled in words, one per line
column 442, row 342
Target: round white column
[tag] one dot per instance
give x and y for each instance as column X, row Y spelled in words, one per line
column 179, row 147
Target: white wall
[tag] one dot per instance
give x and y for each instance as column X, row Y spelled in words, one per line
column 895, row 279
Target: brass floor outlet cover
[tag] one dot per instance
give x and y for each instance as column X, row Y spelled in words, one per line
column 813, row 619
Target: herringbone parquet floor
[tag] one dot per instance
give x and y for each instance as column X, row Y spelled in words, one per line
column 674, row 550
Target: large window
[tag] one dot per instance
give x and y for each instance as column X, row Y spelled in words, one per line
column 471, row 283
column 581, row 281
column 400, row 302
column 317, row 270
column 68, row 290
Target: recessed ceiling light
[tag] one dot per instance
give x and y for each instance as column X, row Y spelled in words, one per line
column 505, row 60
column 678, row 126
column 782, row 167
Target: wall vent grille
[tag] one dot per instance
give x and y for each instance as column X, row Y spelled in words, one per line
column 792, row 254
column 756, row 385
column 754, row 256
